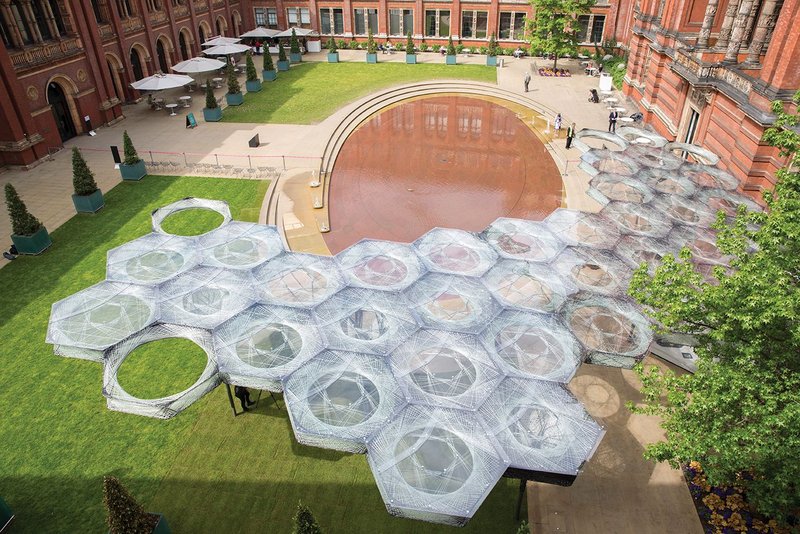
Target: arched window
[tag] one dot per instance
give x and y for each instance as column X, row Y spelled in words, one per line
column 219, row 27
column 41, row 20
column 96, row 8
column 136, row 63
column 184, row 46
column 59, row 18
column 162, row 56
column 202, row 33
column 22, row 22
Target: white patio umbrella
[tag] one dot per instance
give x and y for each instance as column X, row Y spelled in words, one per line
column 261, row 32
column 158, row 82
column 226, row 49
column 300, row 32
column 215, row 41
column 197, row 65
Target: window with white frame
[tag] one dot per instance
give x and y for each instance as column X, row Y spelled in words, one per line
column 401, row 21
column 298, row 16
column 590, row 28
column 331, row 18
column 365, row 20
column 437, row 23
column 474, row 24
column 512, row 25
column 261, row 16
column 272, row 18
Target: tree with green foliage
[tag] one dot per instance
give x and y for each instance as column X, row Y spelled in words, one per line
column 252, row 74
column 491, row 50
column 409, row 44
column 131, row 157
column 332, row 45
column 22, row 222
column 294, row 44
column 233, row 83
column 281, row 52
column 125, row 515
column 739, row 414
column 371, row 48
column 451, row 50
column 524, row 528
column 211, row 100
column 82, row 177
column 267, row 65
column 554, row 28
column 304, row 522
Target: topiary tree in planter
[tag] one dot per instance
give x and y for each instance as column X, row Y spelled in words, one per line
column 451, row 52
column 212, row 112
column 372, row 49
column 268, row 72
column 87, row 198
column 283, row 63
column 491, row 52
column 125, row 515
column 234, row 97
column 294, row 49
column 333, row 52
column 132, row 167
column 253, row 84
column 28, row 234
column 304, row 522
column 411, row 55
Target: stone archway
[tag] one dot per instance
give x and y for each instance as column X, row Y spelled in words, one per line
column 164, row 51
column 115, row 67
column 204, row 31
column 61, row 92
column 185, row 44
column 236, row 23
column 221, row 26
column 139, row 58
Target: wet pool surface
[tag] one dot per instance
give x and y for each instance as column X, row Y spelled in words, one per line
column 444, row 161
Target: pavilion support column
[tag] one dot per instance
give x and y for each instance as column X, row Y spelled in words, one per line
column 765, row 23
column 732, row 52
column 708, row 21
column 727, row 24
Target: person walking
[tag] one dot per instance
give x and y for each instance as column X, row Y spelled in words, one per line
column 527, row 80
column 570, row 134
column 557, row 124
column 612, row 121
column 243, row 395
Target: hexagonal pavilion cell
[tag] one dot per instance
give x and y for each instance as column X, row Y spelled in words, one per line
column 635, row 250
column 522, row 240
column 365, row 320
column 631, row 134
column 581, row 228
column 435, row 464
column 528, row 345
column 451, row 303
column 86, row 323
column 444, row 369
column 205, row 297
column 594, row 270
column 541, row 426
column 380, row 265
column 637, row 219
column 607, row 187
column 668, row 182
column 611, row 162
column 189, row 203
column 240, row 245
column 528, row 286
column 298, row 280
column 682, row 210
column 727, row 201
column 612, row 331
column 339, row 399
column 709, row 177
column 152, row 259
column 654, row 157
column 260, row 346
column 165, row 407
column 702, row 243
column 455, row 252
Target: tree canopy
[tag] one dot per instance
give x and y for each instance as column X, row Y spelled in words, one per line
column 553, row 29
column 739, row 414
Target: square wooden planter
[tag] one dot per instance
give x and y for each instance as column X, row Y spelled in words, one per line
column 235, row 99
column 88, row 203
column 295, row 57
column 283, row 65
column 212, row 114
column 32, row 244
column 133, row 172
column 372, row 58
column 491, row 61
column 333, row 57
column 253, row 86
column 411, row 59
column 450, row 60
column 269, row 75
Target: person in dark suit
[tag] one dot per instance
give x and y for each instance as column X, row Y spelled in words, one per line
column 612, row 121
column 243, row 395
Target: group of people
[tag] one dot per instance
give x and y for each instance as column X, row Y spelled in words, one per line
column 547, row 71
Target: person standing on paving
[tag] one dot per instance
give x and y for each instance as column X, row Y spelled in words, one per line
column 570, row 134
column 612, row 121
column 527, row 80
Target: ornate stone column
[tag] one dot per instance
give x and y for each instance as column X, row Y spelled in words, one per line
column 30, row 18
column 727, row 24
column 749, row 25
column 739, row 27
column 765, row 23
column 11, row 24
column 51, row 20
column 708, row 21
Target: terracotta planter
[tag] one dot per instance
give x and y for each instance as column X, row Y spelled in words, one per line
column 253, row 86
column 88, row 203
column 269, row 75
column 32, row 244
column 235, row 99
column 133, row 172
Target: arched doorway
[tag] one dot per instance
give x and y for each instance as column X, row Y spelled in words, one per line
column 136, row 63
column 162, row 56
column 115, row 68
column 202, row 32
column 183, row 45
column 61, row 113
column 220, row 27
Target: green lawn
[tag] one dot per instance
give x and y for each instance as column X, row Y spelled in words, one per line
column 205, row 470
column 309, row 92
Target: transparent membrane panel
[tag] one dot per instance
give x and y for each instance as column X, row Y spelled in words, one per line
column 637, row 219
column 365, row 320
column 541, row 426
column 444, row 369
column 701, row 242
column 99, row 316
column 298, row 280
column 632, row 134
column 165, row 407
column 152, row 259
column 608, row 187
column 239, row 245
column 581, row 228
column 654, row 157
column 263, row 344
column 594, row 270
column 708, row 177
column 455, row 251
column 608, row 327
column 451, row 303
column 611, row 162
column 435, row 464
column 337, row 400
column 522, row 240
column 727, row 201
column 380, row 265
column 682, row 210
column 205, row 297
column 528, row 345
column 635, row 250
column 528, row 286
column 668, row 182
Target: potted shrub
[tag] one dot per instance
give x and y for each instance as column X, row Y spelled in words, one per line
column 372, row 50
column 411, row 55
column 268, row 72
column 253, row 84
column 450, row 59
column 491, row 52
column 234, row 97
column 333, row 51
column 87, row 198
column 283, row 63
column 125, row 515
column 132, row 167
column 294, row 49
column 212, row 112
column 29, row 234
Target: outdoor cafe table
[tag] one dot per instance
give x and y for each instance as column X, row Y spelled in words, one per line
column 171, row 108
column 625, row 119
column 217, row 82
column 609, row 99
column 186, row 100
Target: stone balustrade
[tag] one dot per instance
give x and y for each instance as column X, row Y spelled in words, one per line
column 158, row 17
column 132, row 24
column 47, row 52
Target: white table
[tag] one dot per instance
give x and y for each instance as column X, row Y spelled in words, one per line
column 217, row 82
column 171, row 108
column 610, row 99
column 642, row 141
column 625, row 119
column 186, row 100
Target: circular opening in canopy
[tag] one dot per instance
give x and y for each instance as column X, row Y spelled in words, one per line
column 274, row 345
column 346, row 399
column 380, row 271
column 529, row 349
column 536, row 427
column 436, row 462
column 365, row 324
column 161, row 368
column 155, row 265
column 240, row 252
column 456, row 258
column 194, row 221
column 603, row 329
column 442, row 372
